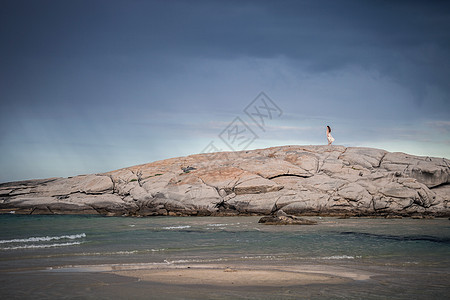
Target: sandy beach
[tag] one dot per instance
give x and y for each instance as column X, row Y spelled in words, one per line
column 231, row 276
column 223, row 275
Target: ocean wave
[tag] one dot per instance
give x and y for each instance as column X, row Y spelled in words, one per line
column 177, row 227
column 287, row 257
column 44, row 238
column 262, row 257
column 405, row 238
column 217, row 225
column 121, row 252
column 183, row 261
column 112, row 253
column 33, row 246
column 133, row 251
column 338, row 257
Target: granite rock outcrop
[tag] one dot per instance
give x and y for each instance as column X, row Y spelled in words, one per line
column 300, row 180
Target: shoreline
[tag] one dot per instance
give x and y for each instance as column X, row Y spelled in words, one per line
column 339, row 215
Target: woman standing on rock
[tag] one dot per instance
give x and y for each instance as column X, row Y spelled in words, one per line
column 329, row 137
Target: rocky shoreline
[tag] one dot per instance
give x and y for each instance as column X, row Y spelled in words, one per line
column 301, row 180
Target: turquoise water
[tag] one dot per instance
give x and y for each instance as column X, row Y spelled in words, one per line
column 407, row 257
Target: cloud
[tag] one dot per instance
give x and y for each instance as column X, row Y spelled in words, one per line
column 441, row 127
column 149, row 76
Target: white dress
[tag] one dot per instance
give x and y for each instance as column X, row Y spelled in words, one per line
column 330, row 138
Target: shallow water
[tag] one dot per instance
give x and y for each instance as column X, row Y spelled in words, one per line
column 53, row 256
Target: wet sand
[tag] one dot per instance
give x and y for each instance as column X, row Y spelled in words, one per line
column 242, row 275
column 228, row 275
column 228, row 278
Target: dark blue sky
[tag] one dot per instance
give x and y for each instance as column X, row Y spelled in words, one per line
column 92, row 86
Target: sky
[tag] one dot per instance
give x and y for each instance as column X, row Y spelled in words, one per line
column 94, row 86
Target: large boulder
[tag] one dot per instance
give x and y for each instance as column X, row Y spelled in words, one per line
column 281, row 218
column 285, row 220
column 300, row 180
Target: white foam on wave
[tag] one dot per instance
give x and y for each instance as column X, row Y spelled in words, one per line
column 184, row 261
column 44, row 238
column 177, row 227
column 264, row 257
column 130, row 252
column 338, row 257
column 217, row 225
column 124, row 252
column 33, row 246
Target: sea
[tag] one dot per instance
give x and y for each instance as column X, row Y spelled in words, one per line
column 68, row 256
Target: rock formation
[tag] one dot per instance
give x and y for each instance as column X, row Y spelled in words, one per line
column 285, row 220
column 281, row 218
column 302, row 180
